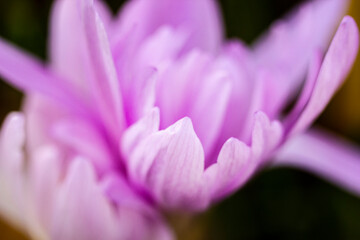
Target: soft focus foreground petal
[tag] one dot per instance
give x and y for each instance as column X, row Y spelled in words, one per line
column 82, row 138
column 287, row 49
column 324, row 154
column 12, row 194
column 335, row 67
column 133, row 209
column 44, row 175
column 41, row 113
column 200, row 18
column 28, row 74
column 81, row 211
column 237, row 161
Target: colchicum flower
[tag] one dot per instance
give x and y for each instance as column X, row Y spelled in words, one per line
column 152, row 111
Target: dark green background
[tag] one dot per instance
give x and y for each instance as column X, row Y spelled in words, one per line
column 277, row 204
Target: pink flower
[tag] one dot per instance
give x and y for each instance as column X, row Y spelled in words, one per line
column 153, row 110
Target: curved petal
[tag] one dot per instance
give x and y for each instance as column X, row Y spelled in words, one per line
column 325, row 155
column 169, row 164
column 191, row 87
column 68, row 43
column 237, row 161
column 28, row 74
column 285, row 51
column 104, row 78
column 12, row 181
column 200, row 18
column 335, row 67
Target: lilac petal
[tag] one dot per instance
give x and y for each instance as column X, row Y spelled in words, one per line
column 12, row 189
column 201, row 19
column 68, row 53
column 149, row 224
column 140, row 130
column 28, row 74
column 68, row 45
column 175, row 87
column 105, row 81
column 105, row 13
column 139, row 67
column 336, row 65
column 178, row 96
column 76, row 195
column 83, row 138
column 310, row 82
column 325, row 155
column 237, row 161
column 170, row 164
column 41, row 113
column 287, row 49
column 212, row 100
column 45, row 169
column 236, row 61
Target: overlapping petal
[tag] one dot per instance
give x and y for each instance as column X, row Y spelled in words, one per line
column 199, row 18
column 334, row 69
column 170, row 163
column 285, row 51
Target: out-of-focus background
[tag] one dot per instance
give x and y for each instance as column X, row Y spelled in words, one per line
column 276, row 204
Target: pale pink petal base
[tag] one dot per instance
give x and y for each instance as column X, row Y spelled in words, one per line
column 12, row 195
column 324, row 154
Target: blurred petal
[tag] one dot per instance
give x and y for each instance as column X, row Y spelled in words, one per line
column 83, row 138
column 139, row 67
column 28, row 74
column 287, row 49
column 139, row 131
column 12, row 172
column 178, row 95
column 67, row 44
column 325, row 155
column 105, row 81
column 133, row 209
column 200, row 18
column 79, row 193
column 45, row 169
column 236, row 61
column 336, row 65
